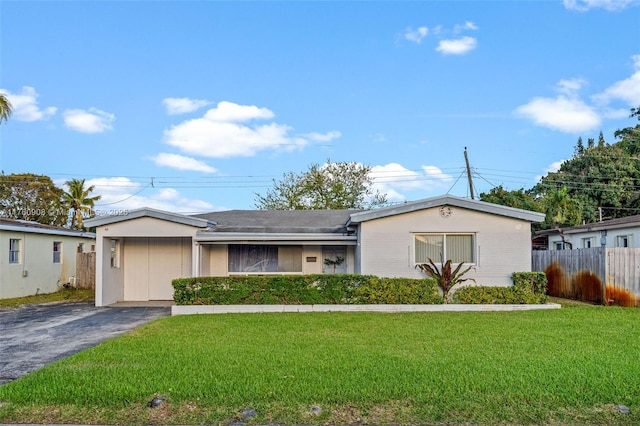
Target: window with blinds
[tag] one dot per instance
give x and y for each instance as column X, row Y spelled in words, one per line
column 457, row 247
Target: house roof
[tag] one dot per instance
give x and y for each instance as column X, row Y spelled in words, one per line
column 279, row 221
column 148, row 212
column 448, row 200
column 619, row 223
column 18, row 225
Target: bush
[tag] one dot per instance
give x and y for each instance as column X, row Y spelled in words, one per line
column 304, row 289
column 528, row 288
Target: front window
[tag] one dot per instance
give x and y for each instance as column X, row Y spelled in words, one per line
column 57, row 251
column 253, row 258
column 14, row 250
column 455, row 247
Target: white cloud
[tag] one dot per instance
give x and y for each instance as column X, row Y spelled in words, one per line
column 465, row 27
column 323, row 137
column 228, row 131
column 571, row 86
column 92, row 120
column 180, row 162
column 561, row 113
column 25, row 105
column 627, row 90
column 416, row 35
column 458, row 46
column 393, row 179
column 183, row 105
column 585, row 5
column 121, row 193
column 230, row 112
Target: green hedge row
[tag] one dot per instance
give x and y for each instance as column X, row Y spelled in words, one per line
column 304, row 290
column 528, row 288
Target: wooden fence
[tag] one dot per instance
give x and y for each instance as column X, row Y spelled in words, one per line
column 86, row 270
column 608, row 276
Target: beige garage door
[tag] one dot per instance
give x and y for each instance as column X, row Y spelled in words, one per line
column 151, row 263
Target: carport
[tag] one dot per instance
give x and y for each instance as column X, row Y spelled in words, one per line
column 141, row 252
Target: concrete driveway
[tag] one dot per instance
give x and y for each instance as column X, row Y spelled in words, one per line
column 35, row 335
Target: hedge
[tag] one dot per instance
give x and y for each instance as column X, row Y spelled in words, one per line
column 304, row 290
column 528, row 288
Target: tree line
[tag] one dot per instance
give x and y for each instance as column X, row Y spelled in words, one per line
column 36, row 198
column 601, row 181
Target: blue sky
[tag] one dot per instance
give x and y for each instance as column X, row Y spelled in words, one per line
column 197, row 106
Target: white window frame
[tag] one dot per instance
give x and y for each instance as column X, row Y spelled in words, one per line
column 444, row 235
column 57, row 252
column 559, row 245
column 114, row 251
column 588, row 242
column 15, row 257
column 621, row 239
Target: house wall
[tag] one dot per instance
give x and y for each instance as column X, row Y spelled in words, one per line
column 214, row 260
column 611, row 239
column 109, row 280
column 36, row 272
column 503, row 245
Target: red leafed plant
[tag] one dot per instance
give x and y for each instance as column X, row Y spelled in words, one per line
column 445, row 277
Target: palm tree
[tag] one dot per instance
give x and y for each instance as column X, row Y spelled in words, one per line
column 78, row 200
column 5, row 108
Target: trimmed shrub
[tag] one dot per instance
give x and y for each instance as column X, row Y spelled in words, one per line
column 304, row 290
column 534, row 281
column 528, row 288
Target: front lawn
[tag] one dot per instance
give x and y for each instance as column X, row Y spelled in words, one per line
column 568, row 366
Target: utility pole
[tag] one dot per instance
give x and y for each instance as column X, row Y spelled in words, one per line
column 466, row 160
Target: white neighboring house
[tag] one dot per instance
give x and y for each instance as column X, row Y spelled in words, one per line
column 37, row 258
column 621, row 232
column 138, row 254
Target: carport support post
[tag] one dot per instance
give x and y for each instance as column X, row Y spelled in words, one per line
column 195, row 259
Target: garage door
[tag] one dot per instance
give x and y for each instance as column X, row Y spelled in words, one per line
column 151, row 263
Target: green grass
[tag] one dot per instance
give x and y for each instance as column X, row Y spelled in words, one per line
column 568, row 366
column 64, row 295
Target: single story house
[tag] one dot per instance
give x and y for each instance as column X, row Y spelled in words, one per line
column 37, row 258
column 138, row 254
column 620, row 232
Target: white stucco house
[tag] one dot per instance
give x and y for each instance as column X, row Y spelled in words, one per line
column 622, row 232
column 37, row 258
column 138, row 254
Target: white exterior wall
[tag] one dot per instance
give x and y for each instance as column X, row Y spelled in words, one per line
column 36, row 273
column 152, row 253
column 502, row 245
column 576, row 239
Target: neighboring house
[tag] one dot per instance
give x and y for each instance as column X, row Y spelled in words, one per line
column 621, row 232
column 36, row 258
column 140, row 253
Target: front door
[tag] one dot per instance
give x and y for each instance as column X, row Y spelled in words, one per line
column 334, row 260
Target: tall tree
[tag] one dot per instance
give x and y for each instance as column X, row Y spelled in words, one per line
column 629, row 137
column 519, row 199
column 27, row 196
column 78, row 200
column 339, row 185
column 6, row 109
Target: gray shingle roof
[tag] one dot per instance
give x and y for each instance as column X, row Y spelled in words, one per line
column 279, row 221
